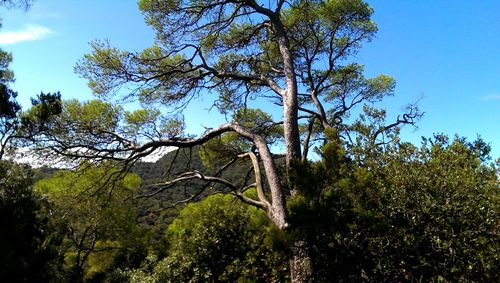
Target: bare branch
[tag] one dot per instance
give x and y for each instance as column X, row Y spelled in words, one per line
column 308, row 137
column 258, row 178
column 408, row 118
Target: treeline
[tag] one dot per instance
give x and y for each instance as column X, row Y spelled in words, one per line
column 427, row 213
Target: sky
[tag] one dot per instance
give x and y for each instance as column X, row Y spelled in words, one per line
column 443, row 54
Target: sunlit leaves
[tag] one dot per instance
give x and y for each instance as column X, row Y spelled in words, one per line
column 172, row 127
column 233, row 49
column 330, row 31
column 253, row 118
column 103, row 67
column 160, row 15
column 222, row 149
column 352, row 14
column 150, row 124
column 141, row 119
column 217, row 239
column 92, row 116
column 351, row 86
column 233, row 42
column 93, row 185
column 92, row 204
column 442, row 196
column 152, row 76
column 84, row 128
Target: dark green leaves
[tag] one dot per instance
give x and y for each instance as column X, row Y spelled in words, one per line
column 8, row 104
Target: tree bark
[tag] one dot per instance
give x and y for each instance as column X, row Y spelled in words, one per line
column 290, row 126
column 290, row 98
column 300, row 262
column 278, row 203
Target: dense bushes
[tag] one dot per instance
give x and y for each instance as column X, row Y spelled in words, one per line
column 409, row 214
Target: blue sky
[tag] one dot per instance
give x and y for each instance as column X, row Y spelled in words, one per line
column 445, row 53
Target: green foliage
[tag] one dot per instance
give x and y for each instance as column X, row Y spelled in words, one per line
column 110, row 58
column 9, row 107
column 13, row 123
column 326, row 211
column 411, row 214
column 372, row 90
column 45, row 107
column 372, row 209
column 150, row 62
column 100, row 222
column 214, row 46
column 158, row 212
column 341, row 18
column 222, row 149
column 6, row 75
column 443, row 205
column 8, row 104
column 221, row 240
column 28, row 243
column 96, row 124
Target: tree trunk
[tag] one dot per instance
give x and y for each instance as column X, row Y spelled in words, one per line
column 300, row 263
column 291, row 126
column 290, row 99
column 278, row 202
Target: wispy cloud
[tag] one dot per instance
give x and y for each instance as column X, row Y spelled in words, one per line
column 490, row 97
column 30, row 33
column 47, row 15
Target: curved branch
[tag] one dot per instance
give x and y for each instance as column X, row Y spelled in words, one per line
column 308, row 137
column 198, row 175
column 278, row 206
column 258, row 177
column 408, row 119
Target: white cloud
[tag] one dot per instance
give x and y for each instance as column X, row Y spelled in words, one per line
column 491, row 97
column 30, row 33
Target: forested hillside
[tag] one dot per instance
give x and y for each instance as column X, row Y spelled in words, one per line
column 159, row 208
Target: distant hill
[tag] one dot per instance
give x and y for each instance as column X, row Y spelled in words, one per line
column 161, row 209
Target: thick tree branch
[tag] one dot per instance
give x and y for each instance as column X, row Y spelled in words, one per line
column 258, row 178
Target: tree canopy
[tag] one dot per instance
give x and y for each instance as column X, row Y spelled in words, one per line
column 357, row 203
